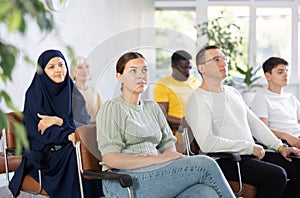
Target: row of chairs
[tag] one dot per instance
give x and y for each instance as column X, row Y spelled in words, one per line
column 89, row 162
column 89, row 165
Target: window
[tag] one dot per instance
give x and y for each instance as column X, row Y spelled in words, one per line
column 273, row 33
column 174, row 31
column 269, row 26
column 239, row 15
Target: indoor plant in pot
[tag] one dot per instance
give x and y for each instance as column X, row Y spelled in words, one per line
column 250, row 81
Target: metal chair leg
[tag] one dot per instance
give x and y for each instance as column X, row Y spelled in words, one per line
column 238, row 194
column 79, row 168
column 186, row 140
column 128, row 192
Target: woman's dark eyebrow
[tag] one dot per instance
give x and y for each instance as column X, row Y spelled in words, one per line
column 133, row 66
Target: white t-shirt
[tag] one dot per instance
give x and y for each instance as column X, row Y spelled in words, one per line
column 223, row 122
column 281, row 110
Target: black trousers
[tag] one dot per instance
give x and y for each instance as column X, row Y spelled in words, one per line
column 270, row 179
column 293, row 173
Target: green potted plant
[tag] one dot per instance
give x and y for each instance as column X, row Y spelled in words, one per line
column 249, row 75
column 249, row 79
column 225, row 35
column 13, row 17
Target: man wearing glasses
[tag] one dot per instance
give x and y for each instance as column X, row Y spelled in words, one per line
column 172, row 92
column 221, row 122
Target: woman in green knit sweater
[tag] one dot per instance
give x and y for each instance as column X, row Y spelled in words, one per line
column 134, row 138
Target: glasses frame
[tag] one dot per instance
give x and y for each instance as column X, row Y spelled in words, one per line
column 215, row 59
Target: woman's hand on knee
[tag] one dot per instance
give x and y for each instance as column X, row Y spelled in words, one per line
column 170, row 154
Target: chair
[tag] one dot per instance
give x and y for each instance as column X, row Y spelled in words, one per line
column 89, row 166
column 239, row 188
column 12, row 161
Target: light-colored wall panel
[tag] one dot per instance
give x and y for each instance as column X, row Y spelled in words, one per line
column 85, row 25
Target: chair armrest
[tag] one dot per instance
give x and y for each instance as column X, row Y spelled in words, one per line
column 11, row 151
column 235, row 156
column 124, row 179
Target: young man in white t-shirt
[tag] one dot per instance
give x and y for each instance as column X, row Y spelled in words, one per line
column 278, row 109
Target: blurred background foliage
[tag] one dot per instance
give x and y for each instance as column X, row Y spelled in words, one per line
column 14, row 16
column 224, row 34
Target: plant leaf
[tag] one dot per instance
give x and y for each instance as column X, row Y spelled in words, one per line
column 15, row 20
column 3, row 121
column 5, row 9
column 240, row 70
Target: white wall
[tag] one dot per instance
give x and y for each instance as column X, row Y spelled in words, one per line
column 99, row 29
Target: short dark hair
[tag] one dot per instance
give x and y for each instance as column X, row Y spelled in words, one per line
column 200, row 57
column 180, row 55
column 126, row 58
column 272, row 62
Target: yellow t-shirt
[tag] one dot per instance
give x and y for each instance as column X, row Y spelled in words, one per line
column 176, row 93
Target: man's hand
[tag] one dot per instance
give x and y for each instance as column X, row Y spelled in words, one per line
column 258, row 151
column 48, row 121
column 288, row 151
column 293, row 140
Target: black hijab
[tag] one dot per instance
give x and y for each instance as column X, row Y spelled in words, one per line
column 57, row 95
column 46, row 97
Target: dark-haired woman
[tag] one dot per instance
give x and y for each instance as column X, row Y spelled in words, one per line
column 50, row 127
column 134, row 138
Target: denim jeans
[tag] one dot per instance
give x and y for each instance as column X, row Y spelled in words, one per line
column 189, row 177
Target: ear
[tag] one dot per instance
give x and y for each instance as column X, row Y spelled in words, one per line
column 201, row 68
column 119, row 76
column 268, row 76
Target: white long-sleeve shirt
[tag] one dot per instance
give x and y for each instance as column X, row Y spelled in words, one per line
column 222, row 122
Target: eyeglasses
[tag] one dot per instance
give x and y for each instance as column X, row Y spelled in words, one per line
column 218, row 59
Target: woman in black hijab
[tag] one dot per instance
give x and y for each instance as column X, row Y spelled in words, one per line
column 50, row 126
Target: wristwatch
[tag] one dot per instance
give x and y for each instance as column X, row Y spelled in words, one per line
column 282, row 147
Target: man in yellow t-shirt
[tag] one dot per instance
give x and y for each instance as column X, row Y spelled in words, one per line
column 172, row 92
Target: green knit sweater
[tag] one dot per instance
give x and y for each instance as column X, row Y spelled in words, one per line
column 132, row 129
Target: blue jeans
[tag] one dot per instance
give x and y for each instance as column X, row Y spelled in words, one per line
column 190, row 177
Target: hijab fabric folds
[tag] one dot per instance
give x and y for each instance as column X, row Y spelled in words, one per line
column 46, row 97
column 50, row 152
column 58, row 96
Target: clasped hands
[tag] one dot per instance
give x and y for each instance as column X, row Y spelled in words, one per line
column 48, row 121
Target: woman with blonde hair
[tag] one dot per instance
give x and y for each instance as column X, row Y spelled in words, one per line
column 80, row 72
